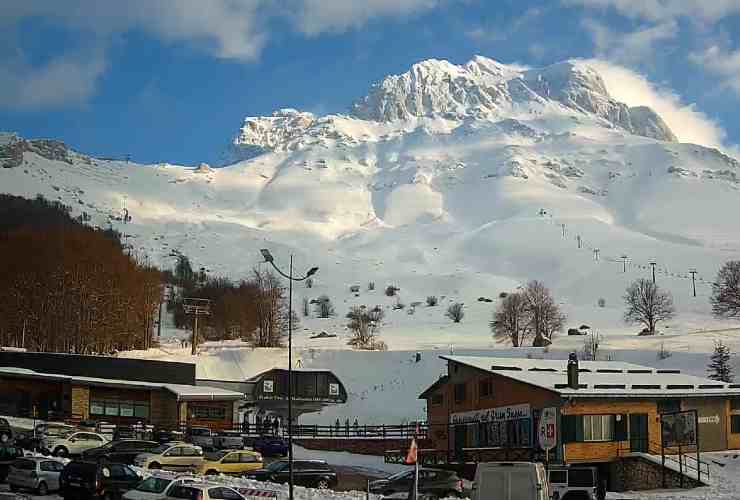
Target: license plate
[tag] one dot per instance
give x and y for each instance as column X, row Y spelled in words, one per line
column 75, row 484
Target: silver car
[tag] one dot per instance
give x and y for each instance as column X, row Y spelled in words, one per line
column 228, row 440
column 39, row 474
column 201, row 436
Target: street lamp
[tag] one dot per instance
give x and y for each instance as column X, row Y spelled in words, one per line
column 268, row 258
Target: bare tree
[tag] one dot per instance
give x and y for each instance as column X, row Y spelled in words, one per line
column 725, row 297
column 364, row 324
column 305, row 307
column 455, row 312
column 432, row 300
column 511, row 320
column 647, row 304
column 270, row 310
column 546, row 318
column 324, row 307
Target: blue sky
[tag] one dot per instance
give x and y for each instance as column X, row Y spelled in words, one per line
column 173, row 80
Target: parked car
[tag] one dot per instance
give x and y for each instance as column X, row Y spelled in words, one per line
column 35, row 473
column 123, row 452
column 573, row 483
column 433, row 482
column 92, row 480
column 8, row 455
column 228, row 440
column 309, row 473
column 171, row 456
column 165, row 436
column 72, row 443
column 200, row 436
column 204, row 491
column 158, row 485
column 124, row 432
column 511, row 480
column 27, row 441
column 6, row 433
column 230, row 462
column 271, row 446
column 53, row 429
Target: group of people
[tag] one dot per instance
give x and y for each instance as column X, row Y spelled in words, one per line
column 263, row 424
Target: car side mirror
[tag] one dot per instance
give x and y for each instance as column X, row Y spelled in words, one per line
column 73, row 440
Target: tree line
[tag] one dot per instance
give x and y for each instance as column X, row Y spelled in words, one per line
column 68, row 287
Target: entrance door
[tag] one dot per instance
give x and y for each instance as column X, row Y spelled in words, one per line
column 639, row 432
column 461, row 436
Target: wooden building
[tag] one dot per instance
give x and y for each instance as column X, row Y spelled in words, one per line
column 488, row 408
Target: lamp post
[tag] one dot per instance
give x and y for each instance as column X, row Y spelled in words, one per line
column 269, row 259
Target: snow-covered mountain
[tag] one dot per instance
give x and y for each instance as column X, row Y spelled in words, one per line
column 456, row 181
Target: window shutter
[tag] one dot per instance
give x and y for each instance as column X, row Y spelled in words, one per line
column 569, row 428
column 579, row 428
column 620, row 428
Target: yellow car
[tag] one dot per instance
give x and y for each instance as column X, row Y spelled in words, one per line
column 230, row 462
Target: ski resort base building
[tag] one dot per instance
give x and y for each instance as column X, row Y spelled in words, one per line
column 607, row 414
column 113, row 390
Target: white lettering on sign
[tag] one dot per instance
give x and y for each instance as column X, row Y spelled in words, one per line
column 491, row 414
column 267, row 386
column 714, row 419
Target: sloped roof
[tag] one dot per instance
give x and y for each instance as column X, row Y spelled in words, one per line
column 600, row 378
column 183, row 392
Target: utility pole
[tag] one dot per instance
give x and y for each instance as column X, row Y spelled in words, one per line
column 652, row 264
column 579, row 240
column 596, row 254
column 563, row 225
column 693, row 279
column 159, row 319
column 624, row 263
column 196, row 307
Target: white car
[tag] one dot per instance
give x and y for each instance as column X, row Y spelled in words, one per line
column 204, row 491
column 158, row 485
column 72, row 443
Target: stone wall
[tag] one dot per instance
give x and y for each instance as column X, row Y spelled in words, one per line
column 358, row 445
column 638, row 473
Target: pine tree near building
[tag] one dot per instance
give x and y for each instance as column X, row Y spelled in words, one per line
column 719, row 364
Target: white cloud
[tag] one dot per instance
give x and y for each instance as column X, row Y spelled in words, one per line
column 61, row 81
column 724, row 64
column 227, row 29
column 662, row 10
column 685, row 121
column 632, row 47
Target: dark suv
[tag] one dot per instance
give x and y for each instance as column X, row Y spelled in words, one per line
column 91, row 480
column 122, row 452
column 432, row 482
column 309, row 473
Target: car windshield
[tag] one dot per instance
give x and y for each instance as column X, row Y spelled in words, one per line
column 398, row 475
column 153, row 484
column 275, row 466
column 24, row 465
column 160, row 449
column 215, row 456
column 66, row 434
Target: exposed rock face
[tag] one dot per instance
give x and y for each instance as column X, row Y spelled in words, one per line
column 12, row 148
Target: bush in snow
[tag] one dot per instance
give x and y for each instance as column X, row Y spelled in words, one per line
column 371, row 286
column 364, row 324
column 719, row 364
column 398, row 305
column 354, row 289
column 455, row 312
column 391, row 290
column 601, row 302
column 432, row 300
column 502, row 295
column 324, row 308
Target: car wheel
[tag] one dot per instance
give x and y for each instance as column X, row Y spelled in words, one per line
column 322, row 484
column 60, row 451
column 4, row 437
column 42, row 490
column 154, row 466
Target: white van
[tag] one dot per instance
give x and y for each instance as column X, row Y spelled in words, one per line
column 511, row 481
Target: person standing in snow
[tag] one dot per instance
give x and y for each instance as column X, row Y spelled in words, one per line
column 356, row 426
column 346, row 426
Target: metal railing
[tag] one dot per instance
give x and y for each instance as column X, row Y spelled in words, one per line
column 687, row 463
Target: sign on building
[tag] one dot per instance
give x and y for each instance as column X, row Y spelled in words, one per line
column 679, row 428
column 547, row 429
column 268, row 386
column 333, row 389
column 499, row 414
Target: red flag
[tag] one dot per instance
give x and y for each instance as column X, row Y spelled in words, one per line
column 411, row 455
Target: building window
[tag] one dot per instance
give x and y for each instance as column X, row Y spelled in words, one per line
column 437, row 399
column 141, row 410
column 485, row 388
column 119, row 408
column 669, row 405
column 127, row 409
column 209, row 412
column 459, row 393
column 111, row 409
column 735, row 404
column 598, row 427
column 97, row 408
column 735, row 424
column 504, row 434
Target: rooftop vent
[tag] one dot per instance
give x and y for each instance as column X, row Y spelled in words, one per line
column 584, row 370
column 645, row 386
column 667, row 371
column 640, row 371
column 566, row 386
column 609, row 370
column 711, row 386
column 610, row 386
column 504, row 368
column 679, row 386
column 733, row 386
column 542, row 370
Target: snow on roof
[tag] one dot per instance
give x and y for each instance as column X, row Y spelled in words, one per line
column 183, row 392
column 600, row 378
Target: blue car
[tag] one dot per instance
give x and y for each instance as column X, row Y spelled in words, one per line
column 271, row 446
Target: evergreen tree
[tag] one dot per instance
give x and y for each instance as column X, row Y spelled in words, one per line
column 719, row 365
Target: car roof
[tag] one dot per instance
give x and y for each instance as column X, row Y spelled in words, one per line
column 41, row 459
